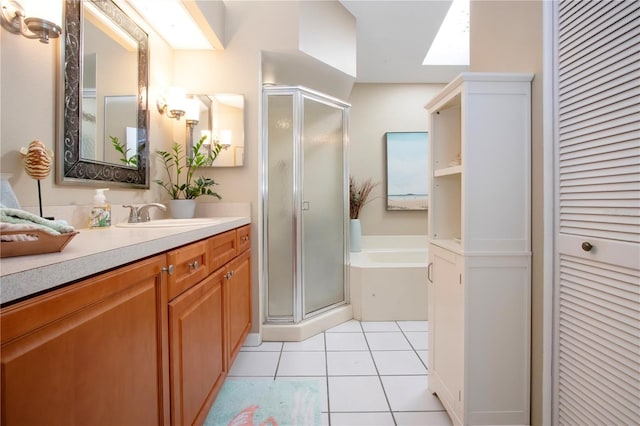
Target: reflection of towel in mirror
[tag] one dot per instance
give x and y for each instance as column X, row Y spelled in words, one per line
column 21, row 220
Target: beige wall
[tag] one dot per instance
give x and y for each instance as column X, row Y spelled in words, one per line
column 507, row 36
column 376, row 109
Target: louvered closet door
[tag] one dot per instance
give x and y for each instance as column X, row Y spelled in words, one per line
column 597, row 299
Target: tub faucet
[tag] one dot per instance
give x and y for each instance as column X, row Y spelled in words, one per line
column 141, row 213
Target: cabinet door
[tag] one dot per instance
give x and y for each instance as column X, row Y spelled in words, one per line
column 94, row 353
column 238, row 302
column 447, row 330
column 197, row 353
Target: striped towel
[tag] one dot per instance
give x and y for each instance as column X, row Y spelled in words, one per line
column 21, row 220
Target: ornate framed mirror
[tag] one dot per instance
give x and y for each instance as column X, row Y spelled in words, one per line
column 103, row 115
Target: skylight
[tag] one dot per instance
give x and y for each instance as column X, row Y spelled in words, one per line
column 451, row 44
column 173, row 22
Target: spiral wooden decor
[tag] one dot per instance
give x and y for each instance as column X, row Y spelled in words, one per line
column 37, row 160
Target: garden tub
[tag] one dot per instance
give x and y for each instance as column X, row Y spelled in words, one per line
column 388, row 278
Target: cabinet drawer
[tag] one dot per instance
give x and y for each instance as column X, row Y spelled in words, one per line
column 223, row 249
column 190, row 263
column 243, row 235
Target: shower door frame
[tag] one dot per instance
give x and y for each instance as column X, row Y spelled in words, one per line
column 299, row 94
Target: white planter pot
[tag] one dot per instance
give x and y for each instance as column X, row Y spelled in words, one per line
column 355, row 235
column 182, row 209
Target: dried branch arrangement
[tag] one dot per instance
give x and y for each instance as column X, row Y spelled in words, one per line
column 359, row 195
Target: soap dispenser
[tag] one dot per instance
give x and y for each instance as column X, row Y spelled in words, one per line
column 101, row 210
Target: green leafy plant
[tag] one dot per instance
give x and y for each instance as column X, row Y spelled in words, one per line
column 185, row 166
column 359, row 195
column 124, row 151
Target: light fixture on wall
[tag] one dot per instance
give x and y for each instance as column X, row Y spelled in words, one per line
column 206, row 143
column 225, row 139
column 174, row 103
column 192, row 114
column 16, row 18
column 191, row 118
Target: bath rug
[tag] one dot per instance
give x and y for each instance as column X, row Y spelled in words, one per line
column 266, row 402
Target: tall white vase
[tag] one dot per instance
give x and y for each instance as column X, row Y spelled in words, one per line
column 355, row 235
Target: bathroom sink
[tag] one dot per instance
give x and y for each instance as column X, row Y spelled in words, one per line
column 171, row 223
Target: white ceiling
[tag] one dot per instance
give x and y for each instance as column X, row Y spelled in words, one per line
column 393, row 37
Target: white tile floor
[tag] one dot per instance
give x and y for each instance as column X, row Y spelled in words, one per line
column 372, row 373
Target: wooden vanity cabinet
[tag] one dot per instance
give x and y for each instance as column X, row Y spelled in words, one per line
column 95, row 352
column 208, row 320
column 149, row 343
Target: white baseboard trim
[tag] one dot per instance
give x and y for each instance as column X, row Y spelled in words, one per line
column 253, row 339
column 307, row 328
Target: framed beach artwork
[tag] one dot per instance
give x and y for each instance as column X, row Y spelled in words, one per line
column 407, row 165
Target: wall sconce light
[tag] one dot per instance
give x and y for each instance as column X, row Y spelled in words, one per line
column 192, row 114
column 14, row 19
column 225, row 139
column 174, row 104
column 206, row 144
column 192, row 118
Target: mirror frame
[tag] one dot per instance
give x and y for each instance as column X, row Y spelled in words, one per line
column 71, row 168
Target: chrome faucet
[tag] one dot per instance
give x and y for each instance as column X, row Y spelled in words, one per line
column 141, row 213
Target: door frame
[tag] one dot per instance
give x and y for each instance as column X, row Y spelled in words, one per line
column 549, row 107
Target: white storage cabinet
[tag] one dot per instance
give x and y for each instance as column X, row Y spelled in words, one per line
column 480, row 248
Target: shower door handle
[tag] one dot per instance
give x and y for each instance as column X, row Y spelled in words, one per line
column 305, row 205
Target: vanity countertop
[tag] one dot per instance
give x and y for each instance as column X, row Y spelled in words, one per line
column 97, row 250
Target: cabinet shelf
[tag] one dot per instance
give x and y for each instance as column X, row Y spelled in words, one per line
column 448, row 171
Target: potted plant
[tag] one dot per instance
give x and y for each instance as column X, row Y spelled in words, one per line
column 358, row 198
column 185, row 166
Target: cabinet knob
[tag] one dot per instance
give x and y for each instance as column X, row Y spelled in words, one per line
column 586, row 246
column 245, row 238
column 194, row 265
column 228, row 275
column 169, row 269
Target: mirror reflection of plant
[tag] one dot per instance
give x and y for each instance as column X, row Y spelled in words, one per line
column 124, row 151
column 191, row 187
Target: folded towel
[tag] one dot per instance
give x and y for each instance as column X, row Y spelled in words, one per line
column 22, row 217
column 10, row 227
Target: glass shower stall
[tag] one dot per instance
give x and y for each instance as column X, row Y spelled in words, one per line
column 305, row 203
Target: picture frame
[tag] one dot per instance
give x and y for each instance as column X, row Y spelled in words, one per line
column 407, row 166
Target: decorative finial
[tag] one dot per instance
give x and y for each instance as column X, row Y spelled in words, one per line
column 37, row 163
column 37, row 160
